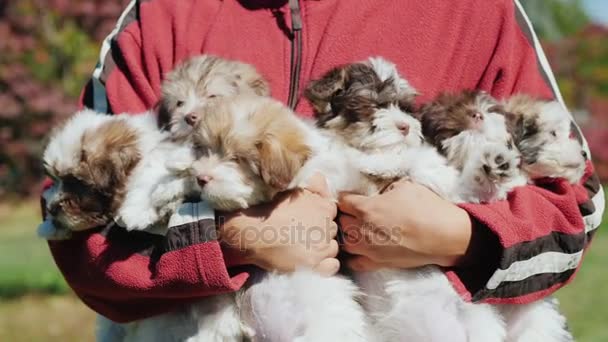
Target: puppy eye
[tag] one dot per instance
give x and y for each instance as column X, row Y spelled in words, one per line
column 180, row 103
column 554, row 133
column 211, row 96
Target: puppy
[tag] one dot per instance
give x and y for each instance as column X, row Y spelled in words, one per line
column 196, row 82
column 368, row 105
column 201, row 80
column 542, row 132
column 462, row 123
column 99, row 163
column 470, row 129
column 248, row 150
column 363, row 106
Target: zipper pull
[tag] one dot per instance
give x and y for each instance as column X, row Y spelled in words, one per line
column 296, row 16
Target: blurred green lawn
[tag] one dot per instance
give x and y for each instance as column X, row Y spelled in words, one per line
column 31, row 288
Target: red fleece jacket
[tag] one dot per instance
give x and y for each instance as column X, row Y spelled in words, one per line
column 522, row 249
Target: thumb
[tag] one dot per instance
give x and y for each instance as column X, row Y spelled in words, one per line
column 351, row 203
column 318, row 184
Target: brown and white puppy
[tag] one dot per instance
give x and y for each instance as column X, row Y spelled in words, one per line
column 469, row 128
column 365, row 104
column 542, row 131
column 90, row 158
column 105, row 166
column 201, row 80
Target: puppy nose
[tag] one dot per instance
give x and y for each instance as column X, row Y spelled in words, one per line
column 477, row 116
column 203, row 180
column 191, row 118
column 403, row 127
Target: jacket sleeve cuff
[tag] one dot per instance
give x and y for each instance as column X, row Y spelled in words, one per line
column 194, row 225
column 480, row 261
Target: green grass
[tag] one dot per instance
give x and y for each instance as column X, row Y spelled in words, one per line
column 26, row 265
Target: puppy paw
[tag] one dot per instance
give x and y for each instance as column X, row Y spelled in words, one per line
column 497, row 164
column 133, row 219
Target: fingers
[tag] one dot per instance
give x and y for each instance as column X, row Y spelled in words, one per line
column 332, row 249
column 332, row 230
column 318, row 184
column 351, row 203
column 354, row 243
column 327, row 267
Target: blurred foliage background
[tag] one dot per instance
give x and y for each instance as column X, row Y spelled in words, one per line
column 48, row 50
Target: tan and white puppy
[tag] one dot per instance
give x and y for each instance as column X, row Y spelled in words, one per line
column 249, row 149
column 199, row 81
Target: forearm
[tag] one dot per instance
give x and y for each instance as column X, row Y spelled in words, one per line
column 527, row 247
column 127, row 276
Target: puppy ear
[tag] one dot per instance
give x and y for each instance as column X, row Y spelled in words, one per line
column 280, row 159
column 247, row 76
column 520, row 126
column 109, row 154
column 431, row 119
column 320, row 92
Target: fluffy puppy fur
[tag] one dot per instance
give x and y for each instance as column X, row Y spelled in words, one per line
column 196, row 83
column 469, row 128
column 201, row 80
column 104, row 166
column 450, row 123
column 542, row 132
column 249, row 149
column 365, row 106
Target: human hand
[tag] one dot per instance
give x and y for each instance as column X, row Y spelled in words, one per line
column 297, row 229
column 406, row 226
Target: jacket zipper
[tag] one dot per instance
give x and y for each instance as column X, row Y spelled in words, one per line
column 296, row 53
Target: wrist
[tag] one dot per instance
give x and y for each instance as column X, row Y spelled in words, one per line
column 455, row 228
column 235, row 249
column 236, row 256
